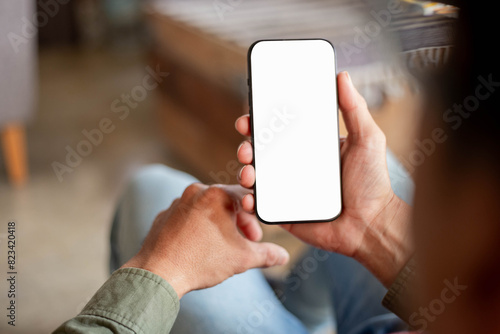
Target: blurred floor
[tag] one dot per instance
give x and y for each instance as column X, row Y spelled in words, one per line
column 63, row 226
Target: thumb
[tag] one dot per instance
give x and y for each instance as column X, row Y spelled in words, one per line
column 266, row 254
column 357, row 118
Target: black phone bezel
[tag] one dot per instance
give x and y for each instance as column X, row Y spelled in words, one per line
column 250, row 104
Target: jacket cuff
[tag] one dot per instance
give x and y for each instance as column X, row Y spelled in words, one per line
column 399, row 297
column 137, row 299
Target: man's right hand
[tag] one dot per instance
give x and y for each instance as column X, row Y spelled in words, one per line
column 196, row 243
column 374, row 224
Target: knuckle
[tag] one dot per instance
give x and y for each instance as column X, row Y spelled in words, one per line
column 176, row 201
column 191, row 190
column 214, row 193
column 271, row 258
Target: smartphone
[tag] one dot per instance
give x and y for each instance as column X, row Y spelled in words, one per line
column 295, row 132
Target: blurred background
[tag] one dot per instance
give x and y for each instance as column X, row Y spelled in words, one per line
column 91, row 90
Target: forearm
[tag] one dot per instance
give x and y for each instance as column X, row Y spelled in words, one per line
column 387, row 244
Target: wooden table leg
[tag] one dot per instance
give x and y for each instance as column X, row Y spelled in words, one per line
column 14, row 151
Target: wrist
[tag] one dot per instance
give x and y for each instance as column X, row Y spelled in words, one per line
column 169, row 272
column 387, row 244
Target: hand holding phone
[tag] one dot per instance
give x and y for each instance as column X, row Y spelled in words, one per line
column 374, row 223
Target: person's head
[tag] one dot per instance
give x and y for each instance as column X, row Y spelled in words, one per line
column 457, row 202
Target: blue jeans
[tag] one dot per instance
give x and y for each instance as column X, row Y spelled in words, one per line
column 322, row 291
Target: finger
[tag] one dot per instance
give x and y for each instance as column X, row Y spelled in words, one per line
column 357, row 118
column 248, row 203
column 245, row 153
column 249, row 226
column 267, row 254
column 235, row 191
column 246, row 176
column 242, row 125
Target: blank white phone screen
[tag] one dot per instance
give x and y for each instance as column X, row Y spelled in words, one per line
column 295, row 131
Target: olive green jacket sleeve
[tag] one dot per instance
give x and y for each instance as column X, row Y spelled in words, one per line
column 131, row 301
